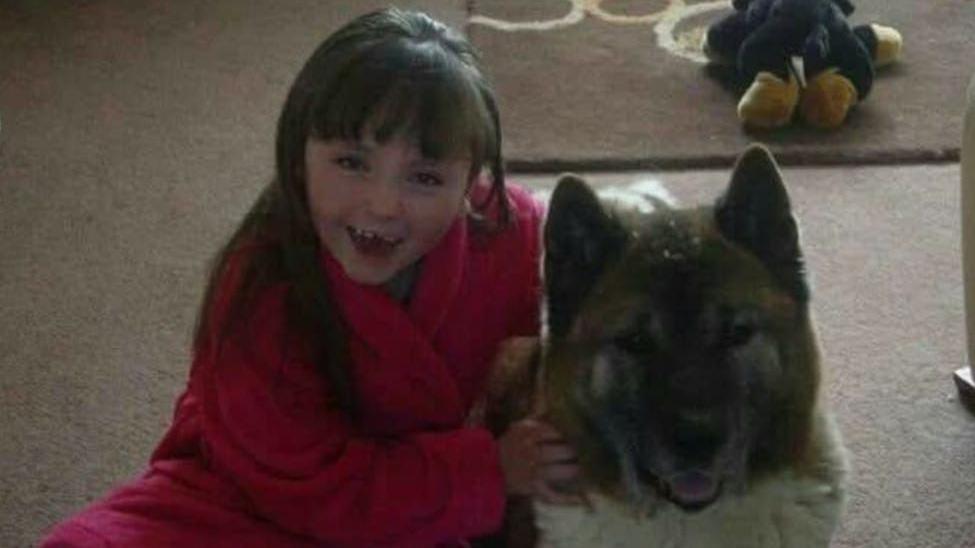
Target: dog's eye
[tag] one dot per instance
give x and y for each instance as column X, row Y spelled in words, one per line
column 636, row 341
column 738, row 333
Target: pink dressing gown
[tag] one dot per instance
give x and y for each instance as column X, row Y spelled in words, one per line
column 257, row 456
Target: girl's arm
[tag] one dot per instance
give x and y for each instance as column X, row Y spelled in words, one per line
column 302, row 463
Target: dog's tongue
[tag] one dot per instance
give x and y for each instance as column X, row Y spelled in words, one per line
column 694, row 487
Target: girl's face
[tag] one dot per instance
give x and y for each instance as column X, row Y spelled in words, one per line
column 379, row 207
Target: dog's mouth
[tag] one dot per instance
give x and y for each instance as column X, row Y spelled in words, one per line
column 691, row 490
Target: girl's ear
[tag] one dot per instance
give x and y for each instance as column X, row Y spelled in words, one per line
column 475, row 180
column 478, row 179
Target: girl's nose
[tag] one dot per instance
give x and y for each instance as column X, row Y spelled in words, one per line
column 386, row 199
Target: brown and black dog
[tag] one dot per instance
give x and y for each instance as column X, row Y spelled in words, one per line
column 681, row 363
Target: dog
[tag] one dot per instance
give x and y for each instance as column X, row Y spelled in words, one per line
column 680, row 361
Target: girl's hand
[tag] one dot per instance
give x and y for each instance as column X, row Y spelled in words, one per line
column 534, row 456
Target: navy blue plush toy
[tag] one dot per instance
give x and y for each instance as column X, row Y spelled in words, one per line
column 763, row 36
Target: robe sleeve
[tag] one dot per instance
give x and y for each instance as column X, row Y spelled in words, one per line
column 268, row 426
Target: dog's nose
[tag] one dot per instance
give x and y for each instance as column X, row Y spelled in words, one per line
column 698, row 436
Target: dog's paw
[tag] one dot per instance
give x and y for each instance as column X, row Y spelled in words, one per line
column 769, row 102
column 827, row 99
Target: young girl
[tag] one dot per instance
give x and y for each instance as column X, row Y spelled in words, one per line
column 351, row 321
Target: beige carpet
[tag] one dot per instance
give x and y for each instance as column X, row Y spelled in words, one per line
column 134, row 137
column 618, row 89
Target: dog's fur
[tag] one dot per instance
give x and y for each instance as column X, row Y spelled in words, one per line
column 680, row 361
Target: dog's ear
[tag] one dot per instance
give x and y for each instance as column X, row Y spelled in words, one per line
column 581, row 238
column 755, row 213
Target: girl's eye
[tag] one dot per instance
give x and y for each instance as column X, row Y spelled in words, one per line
column 428, row 179
column 350, row 163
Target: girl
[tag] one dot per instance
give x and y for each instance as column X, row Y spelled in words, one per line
column 351, row 320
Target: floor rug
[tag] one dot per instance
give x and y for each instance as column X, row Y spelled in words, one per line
column 585, row 84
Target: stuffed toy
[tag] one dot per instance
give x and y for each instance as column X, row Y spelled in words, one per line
column 763, row 38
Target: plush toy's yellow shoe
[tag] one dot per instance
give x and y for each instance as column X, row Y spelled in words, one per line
column 889, row 44
column 769, row 102
column 827, row 99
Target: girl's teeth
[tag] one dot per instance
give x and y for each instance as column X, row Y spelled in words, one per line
column 372, row 244
column 360, row 233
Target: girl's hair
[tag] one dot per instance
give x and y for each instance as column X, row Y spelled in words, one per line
column 386, row 74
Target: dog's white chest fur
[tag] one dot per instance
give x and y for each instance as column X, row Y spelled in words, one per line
column 785, row 513
column 782, row 511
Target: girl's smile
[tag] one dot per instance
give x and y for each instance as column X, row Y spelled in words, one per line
column 373, row 243
column 379, row 207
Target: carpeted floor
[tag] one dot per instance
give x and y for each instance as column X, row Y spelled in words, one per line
column 134, row 136
column 618, row 88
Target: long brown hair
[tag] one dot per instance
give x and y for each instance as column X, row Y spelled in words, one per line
column 389, row 72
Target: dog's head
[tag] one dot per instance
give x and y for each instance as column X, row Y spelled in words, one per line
column 680, row 359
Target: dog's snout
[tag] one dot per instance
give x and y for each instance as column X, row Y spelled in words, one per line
column 698, row 435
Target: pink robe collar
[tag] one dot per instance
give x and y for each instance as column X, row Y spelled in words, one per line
column 393, row 349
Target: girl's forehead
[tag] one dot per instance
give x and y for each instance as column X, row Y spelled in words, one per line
column 449, row 148
column 410, row 145
column 443, row 114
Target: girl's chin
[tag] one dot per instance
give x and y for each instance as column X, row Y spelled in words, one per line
column 370, row 270
column 369, row 276
column 369, row 267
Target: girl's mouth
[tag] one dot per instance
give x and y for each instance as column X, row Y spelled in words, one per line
column 372, row 243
